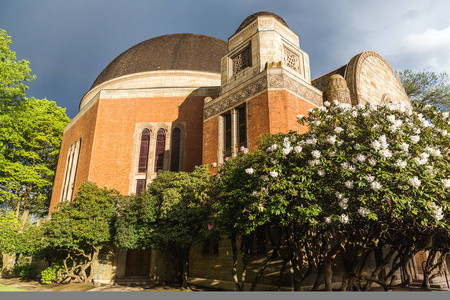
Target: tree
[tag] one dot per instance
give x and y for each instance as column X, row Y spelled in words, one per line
column 427, row 87
column 355, row 183
column 30, row 138
column 164, row 217
column 78, row 230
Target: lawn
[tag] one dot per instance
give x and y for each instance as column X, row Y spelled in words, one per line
column 5, row 288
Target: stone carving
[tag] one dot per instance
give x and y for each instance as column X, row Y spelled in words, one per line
column 291, row 59
column 242, row 60
column 223, row 104
column 241, row 34
column 280, row 81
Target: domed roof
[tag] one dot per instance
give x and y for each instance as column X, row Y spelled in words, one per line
column 253, row 17
column 181, row 51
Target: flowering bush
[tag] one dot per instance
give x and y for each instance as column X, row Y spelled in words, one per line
column 360, row 178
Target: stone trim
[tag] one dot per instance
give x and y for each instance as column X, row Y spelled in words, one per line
column 168, row 127
column 266, row 81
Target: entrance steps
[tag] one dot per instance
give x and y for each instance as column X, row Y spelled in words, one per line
column 134, row 280
column 439, row 283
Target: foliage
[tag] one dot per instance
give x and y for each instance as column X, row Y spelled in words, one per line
column 358, row 180
column 30, row 137
column 427, row 87
column 9, row 231
column 80, row 229
column 26, row 271
column 52, row 273
column 163, row 216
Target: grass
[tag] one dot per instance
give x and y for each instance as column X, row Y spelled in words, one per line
column 5, row 288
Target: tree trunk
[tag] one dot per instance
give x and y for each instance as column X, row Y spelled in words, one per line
column 235, row 262
column 261, row 270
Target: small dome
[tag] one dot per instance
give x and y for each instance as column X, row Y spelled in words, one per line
column 253, row 17
column 181, row 51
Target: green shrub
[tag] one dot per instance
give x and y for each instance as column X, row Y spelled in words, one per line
column 53, row 272
column 26, row 271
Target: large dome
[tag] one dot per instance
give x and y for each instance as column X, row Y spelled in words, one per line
column 181, row 51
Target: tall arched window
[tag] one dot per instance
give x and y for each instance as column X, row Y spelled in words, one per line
column 159, row 151
column 175, row 150
column 143, row 153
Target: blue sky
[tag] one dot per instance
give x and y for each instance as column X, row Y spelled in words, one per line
column 70, row 42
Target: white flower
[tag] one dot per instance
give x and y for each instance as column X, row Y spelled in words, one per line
column 249, row 171
column 286, row 150
column 298, row 148
column 339, row 143
column 315, row 153
column 420, row 161
column 343, row 205
column 272, row 148
column 351, row 168
column 214, row 164
column 446, row 183
column 445, row 115
column 265, row 191
column 328, row 220
column 327, row 104
column 372, row 161
column 414, row 182
column 357, row 146
column 369, row 178
column 311, row 141
column 316, row 123
column 300, row 117
column 376, row 186
column 255, row 193
column 415, row 139
column 361, row 157
column 437, row 211
column 435, row 152
column 322, row 108
column 416, row 130
column 339, row 195
column 331, row 139
column 375, row 127
column 343, row 219
column 313, row 162
column 273, row 161
column 336, row 102
column 354, row 114
column 321, row 172
column 349, row 184
column 274, row 174
column 375, row 145
column 386, row 153
column 338, row 130
column 404, row 147
column 364, row 212
column 400, row 163
column 391, row 118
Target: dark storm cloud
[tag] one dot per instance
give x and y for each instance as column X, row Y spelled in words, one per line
column 70, row 42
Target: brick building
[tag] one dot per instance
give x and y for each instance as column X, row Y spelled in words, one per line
column 181, row 100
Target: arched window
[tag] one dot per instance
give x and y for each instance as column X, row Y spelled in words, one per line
column 159, row 151
column 143, row 153
column 175, row 150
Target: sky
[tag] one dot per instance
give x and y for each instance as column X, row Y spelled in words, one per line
column 68, row 43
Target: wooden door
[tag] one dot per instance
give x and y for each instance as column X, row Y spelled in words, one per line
column 138, row 263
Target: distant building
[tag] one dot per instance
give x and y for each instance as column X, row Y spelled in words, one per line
column 177, row 101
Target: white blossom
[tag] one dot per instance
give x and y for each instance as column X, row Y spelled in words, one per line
column 375, row 127
column 376, row 186
column 336, row 102
column 343, row 219
column 446, row 183
column 310, row 111
column 214, row 164
column 416, row 130
column 354, row 114
column 311, row 141
column 331, row 139
column 286, row 150
column 315, row 153
column 391, row 118
column 372, row 161
column 338, row 130
column 327, row 104
column 321, row 172
column 316, row 123
column 339, row 143
column 437, row 211
column 322, row 108
column 369, row 178
column 272, row 148
column 375, row 145
column 339, row 195
column 300, row 117
column 328, row 220
column 385, row 153
column 445, row 115
column 249, row 171
column 273, row 161
column 255, row 193
column 404, row 146
column 400, row 163
column 343, row 205
column 414, row 182
column 298, row 148
column 363, row 211
column 313, row 162
column 349, row 184
column 351, row 168
column 415, row 139
column 274, row 174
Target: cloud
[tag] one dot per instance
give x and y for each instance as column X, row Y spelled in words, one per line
column 429, row 49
